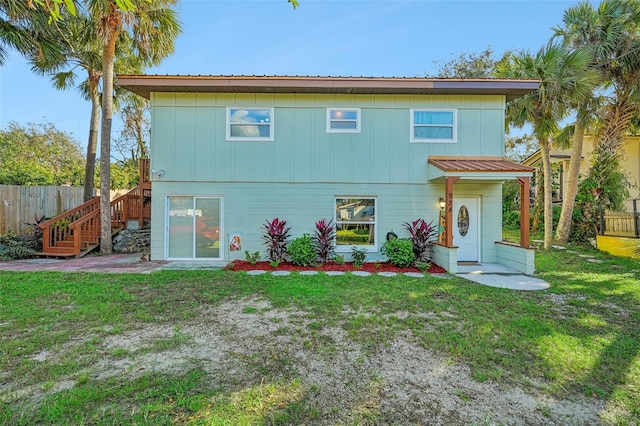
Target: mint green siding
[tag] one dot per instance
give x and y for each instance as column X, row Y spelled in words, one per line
column 297, row 176
column 246, row 206
column 188, row 139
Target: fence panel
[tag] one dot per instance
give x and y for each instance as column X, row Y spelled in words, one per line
column 19, row 204
column 620, row 224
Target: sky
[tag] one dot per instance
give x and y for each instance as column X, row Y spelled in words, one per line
column 390, row 38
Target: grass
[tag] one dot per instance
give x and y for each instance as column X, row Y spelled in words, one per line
column 580, row 337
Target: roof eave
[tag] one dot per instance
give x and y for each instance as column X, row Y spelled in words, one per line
column 144, row 85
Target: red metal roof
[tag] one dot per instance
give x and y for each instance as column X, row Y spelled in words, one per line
column 477, row 164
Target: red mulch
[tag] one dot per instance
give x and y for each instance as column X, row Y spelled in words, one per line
column 242, row 265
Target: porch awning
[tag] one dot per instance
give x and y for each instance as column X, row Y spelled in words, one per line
column 477, row 168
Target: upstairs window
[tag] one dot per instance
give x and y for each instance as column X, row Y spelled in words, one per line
column 433, row 125
column 355, row 223
column 250, row 124
column 343, row 120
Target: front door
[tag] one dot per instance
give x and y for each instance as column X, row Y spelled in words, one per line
column 466, row 228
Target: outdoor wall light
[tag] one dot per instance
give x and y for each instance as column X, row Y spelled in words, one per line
column 442, row 203
column 158, row 172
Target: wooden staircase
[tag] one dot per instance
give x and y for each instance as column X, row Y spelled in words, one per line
column 76, row 232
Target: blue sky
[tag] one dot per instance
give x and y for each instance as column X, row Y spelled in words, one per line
column 321, row 37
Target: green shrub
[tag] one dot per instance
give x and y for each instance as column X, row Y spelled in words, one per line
column 358, row 256
column 15, row 247
column 400, row 252
column 338, row 259
column 511, row 219
column 423, row 266
column 302, row 251
column 252, row 258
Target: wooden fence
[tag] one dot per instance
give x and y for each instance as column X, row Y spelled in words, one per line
column 621, row 224
column 19, row 204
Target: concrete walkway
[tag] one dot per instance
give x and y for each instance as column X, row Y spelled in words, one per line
column 490, row 274
column 116, row 263
column 495, row 275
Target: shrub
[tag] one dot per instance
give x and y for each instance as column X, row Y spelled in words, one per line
column 421, row 234
column 36, row 232
column 338, row 259
column 400, row 252
column 511, row 219
column 323, row 238
column 302, row 251
column 252, row 258
column 358, row 256
column 275, row 238
column 15, row 247
column 423, row 266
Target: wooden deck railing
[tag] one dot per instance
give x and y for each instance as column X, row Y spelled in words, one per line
column 78, row 230
column 57, row 232
column 86, row 231
column 145, row 171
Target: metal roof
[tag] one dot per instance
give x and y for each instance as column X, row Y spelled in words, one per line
column 477, row 164
column 144, row 85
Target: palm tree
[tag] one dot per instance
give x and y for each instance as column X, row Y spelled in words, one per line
column 561, row 73
column 610, row 33
column 83, row 50
column 26, row 30
column 152, row 28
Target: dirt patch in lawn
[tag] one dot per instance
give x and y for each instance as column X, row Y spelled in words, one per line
column 247, row 343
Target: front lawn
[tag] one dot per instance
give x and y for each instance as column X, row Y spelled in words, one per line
column 224, row 347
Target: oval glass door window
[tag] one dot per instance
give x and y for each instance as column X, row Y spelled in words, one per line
column 463, row 220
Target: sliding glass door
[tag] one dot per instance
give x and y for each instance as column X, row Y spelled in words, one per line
column 194, row 227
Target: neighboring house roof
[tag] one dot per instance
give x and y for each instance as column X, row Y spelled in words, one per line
column 143, row 85
column 535, row 158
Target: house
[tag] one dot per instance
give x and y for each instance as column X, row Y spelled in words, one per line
column 230, row 152
column 630, row 163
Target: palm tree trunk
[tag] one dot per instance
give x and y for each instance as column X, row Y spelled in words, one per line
column 617, row 118
column 538, row 204
column 571, row 189
column 106, row 246
column 92, row 143
column 548, row 207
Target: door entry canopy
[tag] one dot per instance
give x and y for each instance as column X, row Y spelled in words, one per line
column 479, row 168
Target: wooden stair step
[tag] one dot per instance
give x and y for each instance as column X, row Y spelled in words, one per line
column 65, row 243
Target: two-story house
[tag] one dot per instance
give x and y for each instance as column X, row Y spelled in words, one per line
column 229, row 153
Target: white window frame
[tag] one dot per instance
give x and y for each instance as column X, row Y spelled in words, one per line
column 371, row 248
column 330, row 120
column 251, row 138
column 454, row 133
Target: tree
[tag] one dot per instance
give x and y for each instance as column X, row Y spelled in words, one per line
column 469, row 65
column 563, row 76
column 26, row 30
column 83, row 50
column 135, row 112
column 39, row 155
column 610, row 33
column 520, row 147
column 152, row 28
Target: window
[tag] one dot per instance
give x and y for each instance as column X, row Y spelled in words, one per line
column 250, row 124
column 433, row 125
column 343, row 120
column 355, row 223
